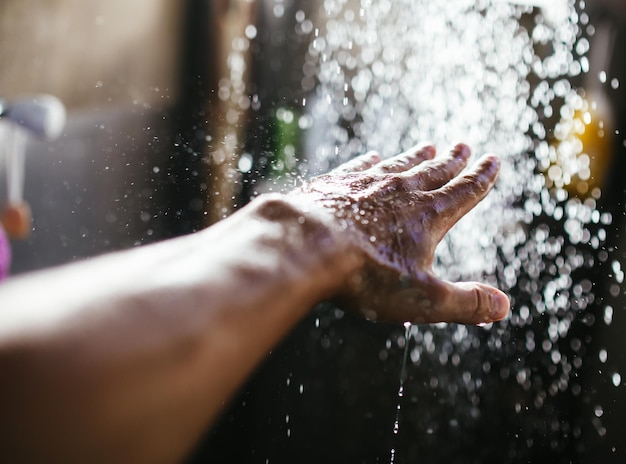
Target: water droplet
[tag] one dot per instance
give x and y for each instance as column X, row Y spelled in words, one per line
column 616, row 378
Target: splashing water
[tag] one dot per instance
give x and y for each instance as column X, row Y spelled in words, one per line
column 393, row 74
column 492, row 74
column 396, row 423
column 505, row 77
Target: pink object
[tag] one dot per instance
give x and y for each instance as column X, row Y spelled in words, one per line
column 5, row 254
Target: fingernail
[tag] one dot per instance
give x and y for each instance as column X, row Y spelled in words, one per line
column 500, row 306
column 462, row 151
column 491, row 165
column 492, row 160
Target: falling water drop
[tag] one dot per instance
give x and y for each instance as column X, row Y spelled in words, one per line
column 405, row 356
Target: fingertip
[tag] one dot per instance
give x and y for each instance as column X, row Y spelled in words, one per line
column 461, row 150
column 489, row 165
column 500, row 306
column 479, row 303
column 428, row 150
column 491, row 159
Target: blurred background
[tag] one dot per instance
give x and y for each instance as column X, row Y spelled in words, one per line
column 139, row 86
column 180, row 111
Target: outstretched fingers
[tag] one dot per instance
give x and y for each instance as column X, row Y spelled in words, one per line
column 407, row 160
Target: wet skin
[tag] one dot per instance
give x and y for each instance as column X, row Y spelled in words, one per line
column 394, row 213
column 140, row 350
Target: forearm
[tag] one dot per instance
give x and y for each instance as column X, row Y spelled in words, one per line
column 134, row 353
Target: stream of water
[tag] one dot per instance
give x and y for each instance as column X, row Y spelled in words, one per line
column 507, row 77
column 497, row 75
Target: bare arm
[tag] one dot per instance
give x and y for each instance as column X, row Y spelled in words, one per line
column 128, row 357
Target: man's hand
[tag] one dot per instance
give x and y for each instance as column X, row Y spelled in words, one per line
column 394, row 213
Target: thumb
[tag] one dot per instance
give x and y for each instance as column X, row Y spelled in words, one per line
column 474, row 303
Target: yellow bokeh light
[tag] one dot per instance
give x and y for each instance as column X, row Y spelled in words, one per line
column 581, row 150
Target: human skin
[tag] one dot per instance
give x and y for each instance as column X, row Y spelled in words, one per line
column 128, row 357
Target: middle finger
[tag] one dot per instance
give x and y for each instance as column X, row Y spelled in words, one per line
column 438, row 172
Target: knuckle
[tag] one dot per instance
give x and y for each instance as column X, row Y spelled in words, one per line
column 480, row 303
column 432, row 205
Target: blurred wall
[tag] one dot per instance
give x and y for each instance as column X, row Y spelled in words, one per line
column 105, row 183
column 90, row 52
column 144, row 83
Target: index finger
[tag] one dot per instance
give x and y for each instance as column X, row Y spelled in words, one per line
column 360, row 163
column 455, row 199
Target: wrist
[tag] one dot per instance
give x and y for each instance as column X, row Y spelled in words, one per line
column 311, row 237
